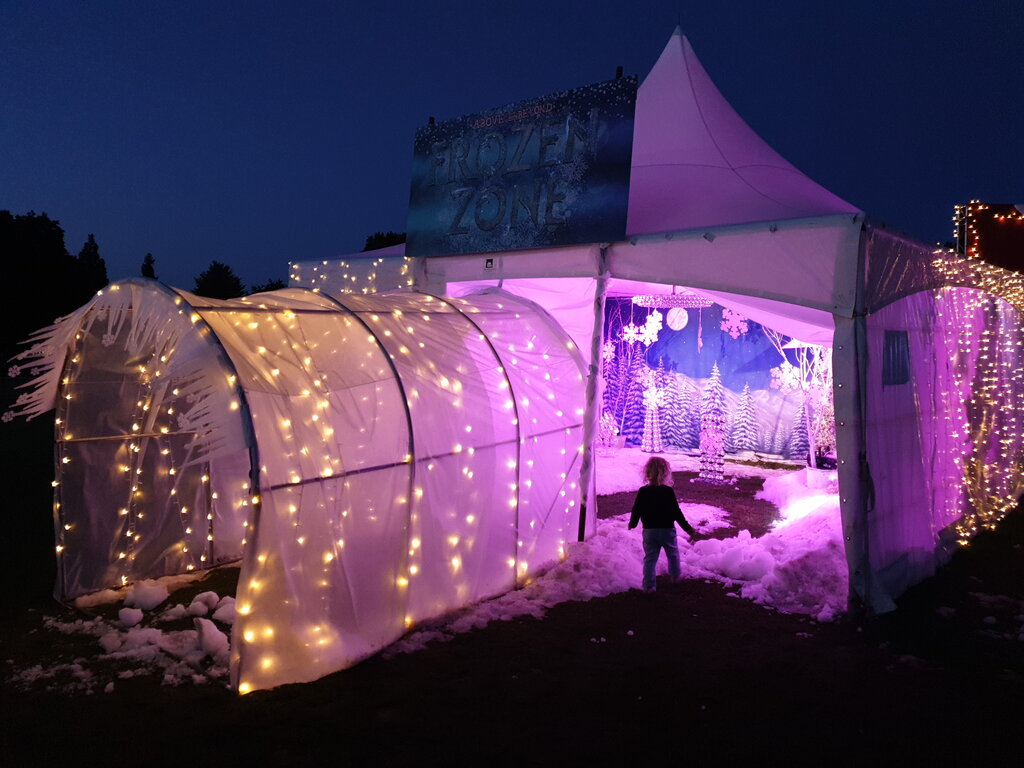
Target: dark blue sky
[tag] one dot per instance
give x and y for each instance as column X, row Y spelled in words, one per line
column 258, row 132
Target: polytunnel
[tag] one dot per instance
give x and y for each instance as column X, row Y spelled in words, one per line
column 372, row 460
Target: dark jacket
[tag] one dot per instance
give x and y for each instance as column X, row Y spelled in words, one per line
column 656, row 507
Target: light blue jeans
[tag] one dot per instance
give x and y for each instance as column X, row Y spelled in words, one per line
column 656, row 539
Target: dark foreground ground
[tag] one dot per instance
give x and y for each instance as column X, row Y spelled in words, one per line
column 703, row 676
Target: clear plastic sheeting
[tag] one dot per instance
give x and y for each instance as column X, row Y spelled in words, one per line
column 142, row 449
column 375, row 460
column 462, row 480
column 945, row 438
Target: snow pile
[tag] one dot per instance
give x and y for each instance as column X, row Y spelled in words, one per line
column 146, row 595
column 190, row 655
column 705, row 518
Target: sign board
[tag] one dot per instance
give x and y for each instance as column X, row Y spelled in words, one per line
column 546, row 172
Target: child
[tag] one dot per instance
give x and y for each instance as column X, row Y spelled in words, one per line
column 657, row 507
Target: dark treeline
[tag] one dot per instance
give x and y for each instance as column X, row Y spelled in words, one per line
column 53, row 280
column 60, row 282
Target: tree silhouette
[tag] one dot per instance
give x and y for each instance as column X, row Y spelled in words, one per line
column 32, row 245
column 92, row 270
column 219, row 281
column 149, row 267
column 383, row 240
column 271, row 285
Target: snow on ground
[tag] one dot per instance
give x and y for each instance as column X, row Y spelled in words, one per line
column 621, row 469
column 179, row 656
column 798, row 567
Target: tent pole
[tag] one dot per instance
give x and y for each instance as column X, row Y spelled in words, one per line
column 592, row 411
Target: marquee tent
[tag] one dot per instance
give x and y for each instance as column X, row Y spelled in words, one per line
column 373, row 460
column 929, row 448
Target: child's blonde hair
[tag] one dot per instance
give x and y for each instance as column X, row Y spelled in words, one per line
column 657, row 471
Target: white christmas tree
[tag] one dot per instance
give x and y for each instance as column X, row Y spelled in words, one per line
column 743, row 435
column 653, row 398
column 712, row 429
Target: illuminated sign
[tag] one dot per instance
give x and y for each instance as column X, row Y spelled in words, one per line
column 547, row 172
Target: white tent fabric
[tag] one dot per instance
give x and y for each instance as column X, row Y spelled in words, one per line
column 697, row 164
column 375, row 460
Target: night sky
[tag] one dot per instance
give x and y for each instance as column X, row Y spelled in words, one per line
column 255, row 133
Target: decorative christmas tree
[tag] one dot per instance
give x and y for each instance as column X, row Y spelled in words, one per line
column 743, row 435
column 651, row 442
column 825, row 428
column 610, row 371
column 609, row 429
column 633, row 412
column 672, row 412
column 799, row 442
column 712, row 429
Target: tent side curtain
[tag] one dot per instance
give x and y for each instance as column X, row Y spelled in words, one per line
column 945, row 387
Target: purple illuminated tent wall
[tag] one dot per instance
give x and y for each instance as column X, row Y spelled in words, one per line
column 927, row 361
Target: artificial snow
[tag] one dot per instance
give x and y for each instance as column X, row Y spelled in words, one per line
column 225, row 610
column 146, row 595
column 129, row 617
column 798, row 567
column 214, row 643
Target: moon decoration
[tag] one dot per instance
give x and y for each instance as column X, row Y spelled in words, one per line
column 677, row 318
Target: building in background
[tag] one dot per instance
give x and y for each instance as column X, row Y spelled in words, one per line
column 991, row 231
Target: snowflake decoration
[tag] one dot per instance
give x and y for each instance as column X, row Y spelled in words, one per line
column 653, row 398
column 631, row 333
column 8, row 416
column 608, row 351
column 649, row 333
column 734, row 323
column 108, row 339
column 14, row 371
column 786, row 377
column 36, row 372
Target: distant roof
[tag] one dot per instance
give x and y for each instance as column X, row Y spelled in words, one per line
column 696, row 163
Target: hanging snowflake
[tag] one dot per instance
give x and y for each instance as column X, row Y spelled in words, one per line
column 14, row 371
column 631, row 333
column 108, row 339
column 608, row 351
column 786, row 378
column 8, row 416
column 649, row 333
column 734, row 323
